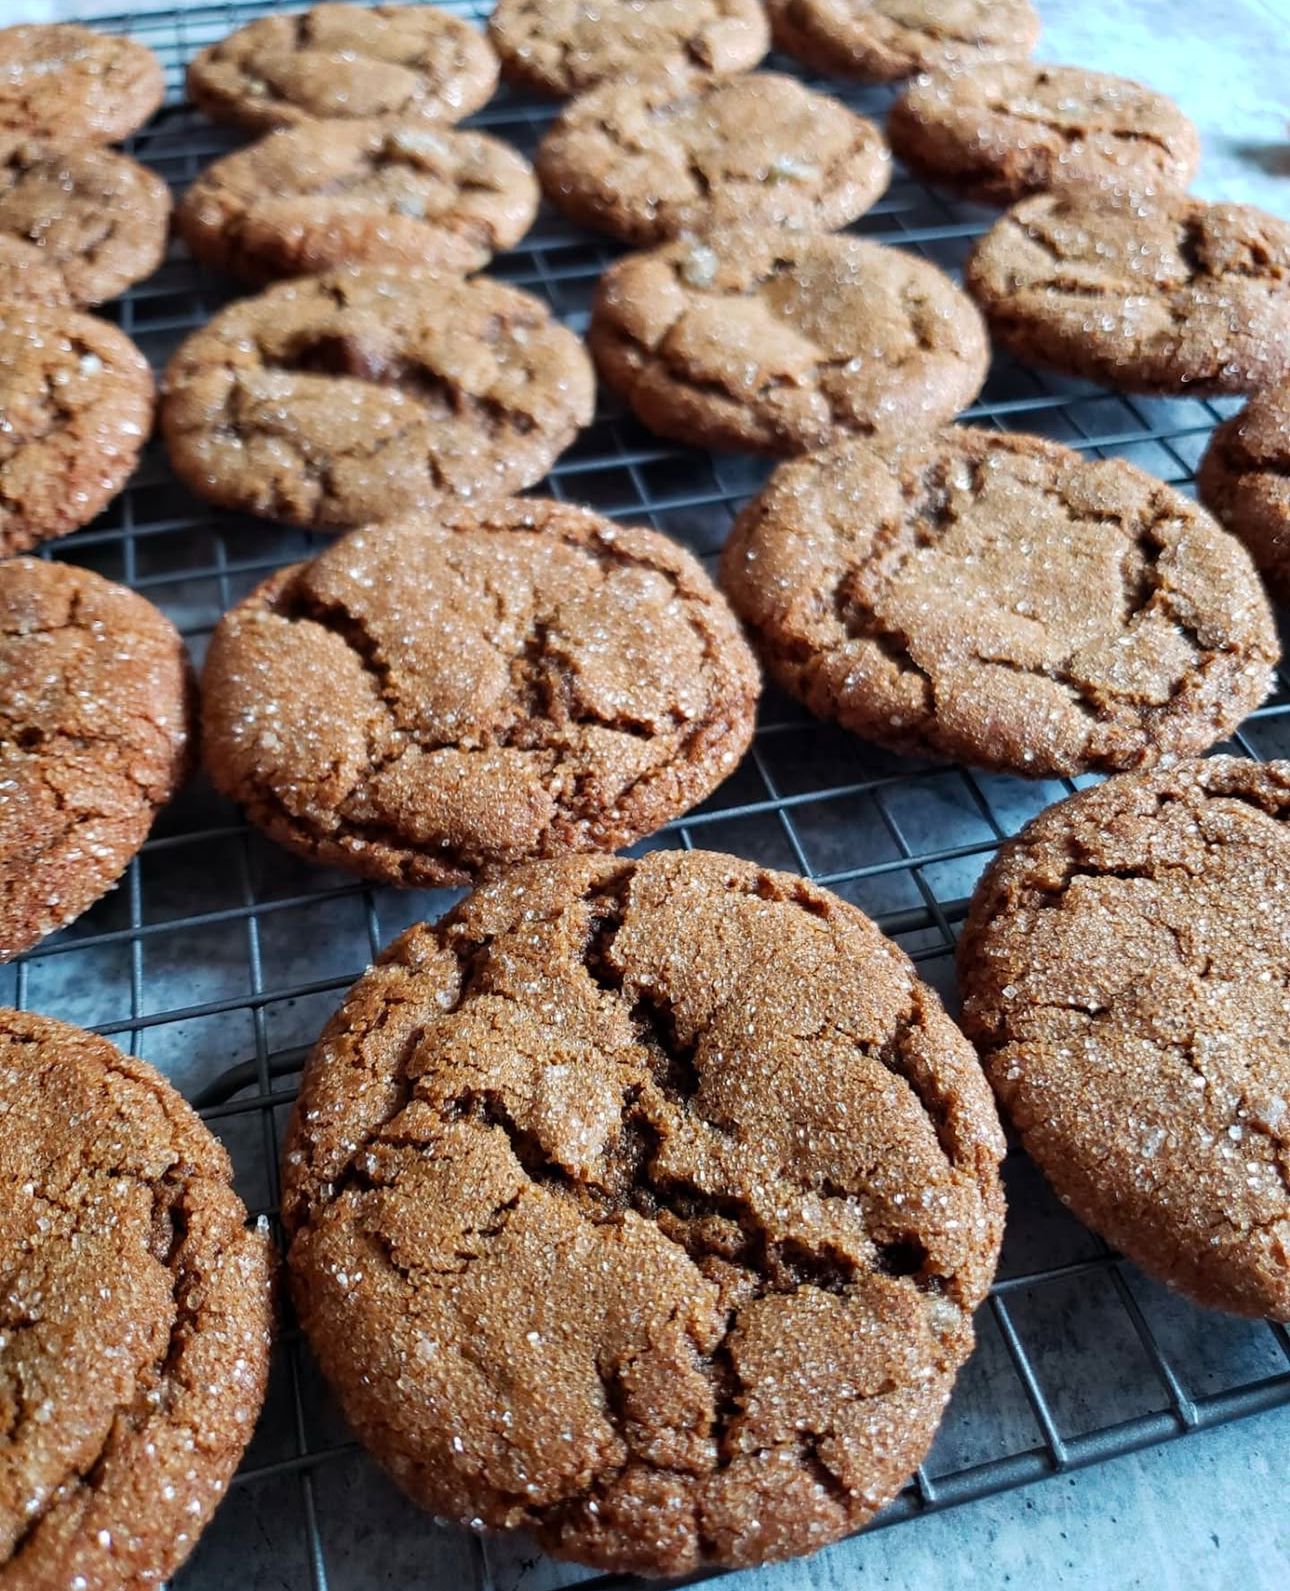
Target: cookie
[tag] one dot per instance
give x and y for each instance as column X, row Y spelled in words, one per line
column 781, row 343
column 1002, row 601
column 879, row 41
column 438, row 695
column 93, row 216
column 1158, row 295
column 95, row 734
column 1244, row 478
column 1001, row 132
column 644, row 1205
column 65, row 82
column 341, row 61
column 26, row 275
column 1125, row 972
column 650, row 161
column 76, row 398
column 565, row 46
column 359, row 394
column 382, row 192
column 137, row 1317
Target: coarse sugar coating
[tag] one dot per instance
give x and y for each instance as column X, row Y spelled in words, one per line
column 645, row 1205
column 1001, row 600
column 1124, row 970
column 1244, row 478
column 60, row 80
column 137, row 1315
column 461, row 690
column 879, row 41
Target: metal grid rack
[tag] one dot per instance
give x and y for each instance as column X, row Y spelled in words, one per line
column 219, row 956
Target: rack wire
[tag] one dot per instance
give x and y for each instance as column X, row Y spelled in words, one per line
column 220, row 956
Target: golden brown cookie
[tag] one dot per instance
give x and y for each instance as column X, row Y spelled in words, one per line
column 878, row 41
column 645, row 1205
column 783, row 342
column 360, row 394
column 382, row 192
column 1244, row 478
column 95, row 735
column 1125, row 969
column 1000, row 132
column 135, row 1329
column 1003, row 601
column 76, row 400
column 652, row 160
column 65, row 82
column 434, row 696
column 340, row 61
column 1167, row 294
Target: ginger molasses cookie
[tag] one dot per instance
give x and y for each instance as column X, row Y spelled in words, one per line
column 651, row 160
column 137, row 1315
column 1244, row 478
column 565, row 46
column 783, row 342
column 26, row 275
column 1000, row 132
column 62, row 81
column 1125, row 968
column 94, row 216
column 882, row 40
column 76, row 398
column 645, row 1205
column 382, row 192
column 474, row 687
column 359, row 394
column 342, row 61
column 1003, row 601
column 95, row 732
column 1164, row 294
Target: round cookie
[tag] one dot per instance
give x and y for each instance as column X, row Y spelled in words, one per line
column 565, row 46
column 359, row 394
column 1001, row 132
column 1124, row 970
column 95, row 217
column 382, row 192
column 879, row 41
column 1244, row 478
column 69, row 83
column 26, row 275
column 137, row 1321
column 1002, row 601
column 76, row 397
column 781, row 343
column 95, row 731
column 1165, row 295
column 649, row 161
column 644, row 1205
column 342, row 61
column 435, row 696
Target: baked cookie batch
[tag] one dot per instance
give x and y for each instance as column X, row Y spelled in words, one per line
column 641, row 1203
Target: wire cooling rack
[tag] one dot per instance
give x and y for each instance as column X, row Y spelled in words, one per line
column 219, row 957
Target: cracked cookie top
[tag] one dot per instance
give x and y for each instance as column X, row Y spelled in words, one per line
column 1001, row 132
column 437, row 695
column 381, row 192
column 134, row 1315
column 93, row 216
column 340, row 61
column 782, row 342
column 94, row 738
column 363, row 393
column 1125, row 968
column 566, row 46
column 645, row 1205
column 76, row 400
column 653, row 160
column 879, row 41
column 1163, row 294
column 1001, row 600
column 1244, row 478
column 59, row 80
